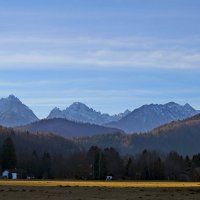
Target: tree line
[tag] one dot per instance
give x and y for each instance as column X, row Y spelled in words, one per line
column 97, row 163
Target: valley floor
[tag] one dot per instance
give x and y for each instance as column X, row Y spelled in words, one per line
column 91, row 190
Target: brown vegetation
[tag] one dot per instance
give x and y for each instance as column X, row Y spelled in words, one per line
column 63, row 191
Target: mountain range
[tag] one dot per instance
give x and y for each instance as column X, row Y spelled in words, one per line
column 82, row 113
column 14, row 113
column 177, row 133
column 148, row 117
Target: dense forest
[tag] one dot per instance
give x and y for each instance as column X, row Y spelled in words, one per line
column 96, row 164
column 158, row 155
column 180, row 136
column 26, row 142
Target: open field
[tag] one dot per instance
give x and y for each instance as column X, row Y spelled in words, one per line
column 115, row 184
column 89, row 190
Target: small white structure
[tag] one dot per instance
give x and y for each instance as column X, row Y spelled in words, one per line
column 14, row 176
column 5, row 173
column 30, row 177
column 9, row 174
column 109, row 178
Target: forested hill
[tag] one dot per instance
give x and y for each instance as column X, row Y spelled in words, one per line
column 26, row 143
column 183, row 126
column 66, row 128
column 181, row 136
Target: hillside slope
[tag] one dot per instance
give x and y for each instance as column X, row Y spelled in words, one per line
column 66, row 128
column 181, row 136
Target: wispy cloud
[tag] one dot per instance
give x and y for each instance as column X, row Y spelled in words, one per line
column 142, row 42
column 47, row 83
column 96, row 13
column 64, row 96
column 90, row 52
column 104, row 59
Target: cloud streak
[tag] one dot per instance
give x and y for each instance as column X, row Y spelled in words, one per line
column 142, row 42
column 103, row 59
column 91, row 52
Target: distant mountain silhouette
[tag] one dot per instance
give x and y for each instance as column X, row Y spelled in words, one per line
column 66, row 128
column 82, row 113
column 14, row 113
column 151, row 116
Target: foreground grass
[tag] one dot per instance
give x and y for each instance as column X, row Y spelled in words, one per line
column 94, row 190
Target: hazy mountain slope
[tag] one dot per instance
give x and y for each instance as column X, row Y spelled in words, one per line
column 82, row 113
column 181, row 136
column 66, row 128
column 14, row 113
column 151, row 116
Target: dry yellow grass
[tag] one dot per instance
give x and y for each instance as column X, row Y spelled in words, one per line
column 98, row 190
column 114, row 184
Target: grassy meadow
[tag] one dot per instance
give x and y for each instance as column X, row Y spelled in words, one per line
column 89, row 190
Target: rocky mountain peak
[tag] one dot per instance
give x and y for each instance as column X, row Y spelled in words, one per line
column 13, row 112
column 78, row 106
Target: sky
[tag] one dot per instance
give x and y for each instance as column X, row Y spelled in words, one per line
column 109, row 54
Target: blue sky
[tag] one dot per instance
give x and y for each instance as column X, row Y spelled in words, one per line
column 110, row 54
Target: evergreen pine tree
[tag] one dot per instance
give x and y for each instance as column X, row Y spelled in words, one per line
column 9, row 158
